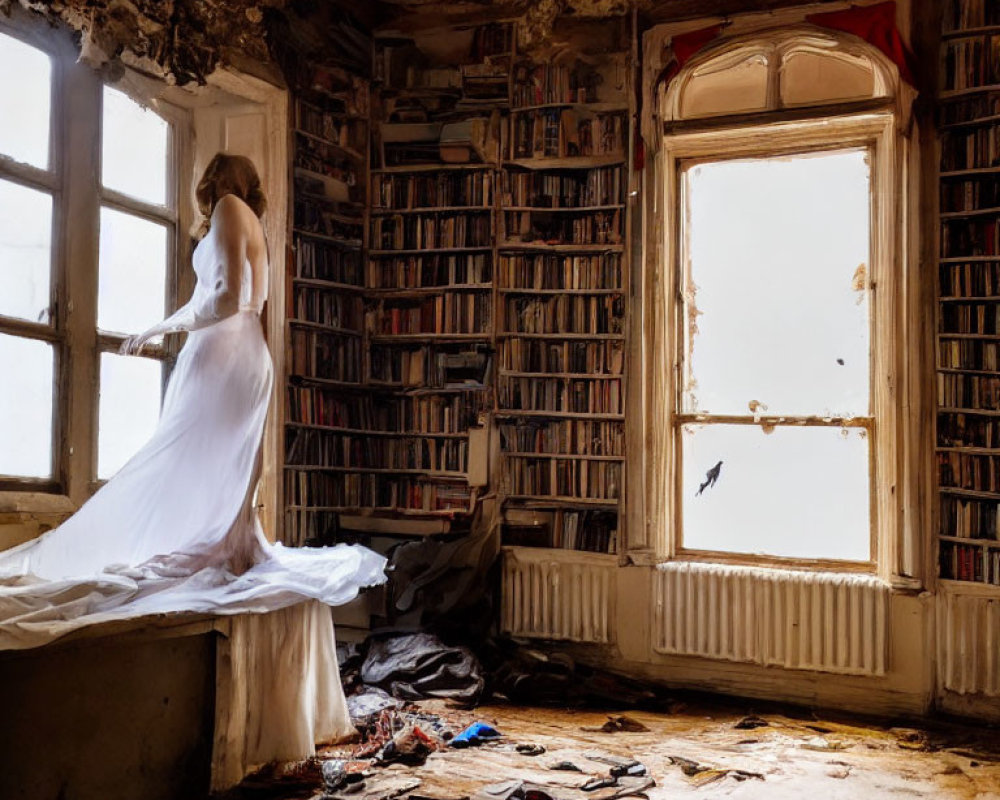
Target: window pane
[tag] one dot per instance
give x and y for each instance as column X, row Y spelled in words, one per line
column 25, row 99
column 134, row 154
column 794, row 492
column 778, row 310
column 25, row 251
column 133, row 266
column 738, row 88
column 25, row 407
column 812, row 78
column 129, row 408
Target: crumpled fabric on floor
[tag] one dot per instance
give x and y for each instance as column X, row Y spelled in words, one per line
column 419, row 665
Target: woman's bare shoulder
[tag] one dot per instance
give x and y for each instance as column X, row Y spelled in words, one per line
column 231, row 208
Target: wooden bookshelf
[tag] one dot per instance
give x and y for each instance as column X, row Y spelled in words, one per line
column 968, row 309
column 402, row 444
column 325, row 308
column 562, row 278
column 493, row 287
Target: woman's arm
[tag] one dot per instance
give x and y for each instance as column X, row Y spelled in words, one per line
column 230, row 229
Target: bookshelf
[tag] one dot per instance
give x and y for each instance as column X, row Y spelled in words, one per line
column 459, row 302
column 325, row 314
column 562, row 278
column 968, row 308
column 408, row 443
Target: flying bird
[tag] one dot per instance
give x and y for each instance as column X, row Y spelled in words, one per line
column 710, row 478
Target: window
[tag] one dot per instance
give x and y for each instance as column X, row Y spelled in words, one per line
column 777, row 312
column 29, row 336
column 136, row 232
column 774, row 418
column 85, row 260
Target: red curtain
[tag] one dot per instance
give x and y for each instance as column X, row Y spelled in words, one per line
column 686, row 45
column 877, row 26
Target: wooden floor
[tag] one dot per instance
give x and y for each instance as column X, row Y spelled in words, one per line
column 692, row 749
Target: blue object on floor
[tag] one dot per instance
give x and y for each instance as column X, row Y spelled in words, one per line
column 476, row 733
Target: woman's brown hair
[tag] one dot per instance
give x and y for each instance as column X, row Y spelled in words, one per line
column 228, row 174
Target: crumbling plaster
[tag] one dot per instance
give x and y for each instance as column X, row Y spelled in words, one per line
column 182, row 41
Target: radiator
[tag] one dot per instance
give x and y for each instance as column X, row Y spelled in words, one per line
column 968, row 640
column 568, row 596
column 829, row 622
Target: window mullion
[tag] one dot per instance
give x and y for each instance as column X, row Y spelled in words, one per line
column 30, row 330
column 27, row 175
column 80, row 210
column 130, row 205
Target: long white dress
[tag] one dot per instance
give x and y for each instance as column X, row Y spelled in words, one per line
column 175, row 530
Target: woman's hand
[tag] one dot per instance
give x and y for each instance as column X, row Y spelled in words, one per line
column 133, row 344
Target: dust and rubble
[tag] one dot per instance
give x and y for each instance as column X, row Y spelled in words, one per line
column 592, row 735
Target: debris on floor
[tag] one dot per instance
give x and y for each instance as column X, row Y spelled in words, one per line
column 700, row 774
column 750, row 722
column 419, row 665
column 529, row 676
column 475, row 735
column 558, row 730
column 619, row 722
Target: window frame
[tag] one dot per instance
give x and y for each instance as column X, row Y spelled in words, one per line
column 58, row 47
column 871, row 126
column 74, row 181
column 167, row 215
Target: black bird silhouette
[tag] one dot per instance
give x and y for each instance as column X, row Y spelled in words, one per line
column 710, row 478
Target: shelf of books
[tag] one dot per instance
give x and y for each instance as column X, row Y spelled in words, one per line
column 561, row 302
column 968, row 324
column 325, row 314
column 406, row 445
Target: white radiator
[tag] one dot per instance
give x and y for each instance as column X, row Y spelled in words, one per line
column 830, row 622
column 968, row 637
column 568, row 596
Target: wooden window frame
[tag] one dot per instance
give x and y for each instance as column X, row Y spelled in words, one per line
column 74, row 181
column 763, row 135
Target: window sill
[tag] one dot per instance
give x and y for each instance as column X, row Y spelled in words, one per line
column 13, row 502
column 768, row 562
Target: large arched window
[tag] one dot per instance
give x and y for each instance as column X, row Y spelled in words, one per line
column 774, row 355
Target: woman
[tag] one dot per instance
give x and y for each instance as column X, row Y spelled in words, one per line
column 175, row 528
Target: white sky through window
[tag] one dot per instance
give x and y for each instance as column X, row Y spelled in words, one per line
column 25, row 252
column 133, row 272
column 778, row 323
column 775, row 250
column 134, row 152
column 24, row 102
column 25, row 407
column 129, row 408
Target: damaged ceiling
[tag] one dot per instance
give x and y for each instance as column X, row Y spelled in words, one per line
column 183, row 41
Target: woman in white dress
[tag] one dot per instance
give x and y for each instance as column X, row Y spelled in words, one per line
column 175, row 528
